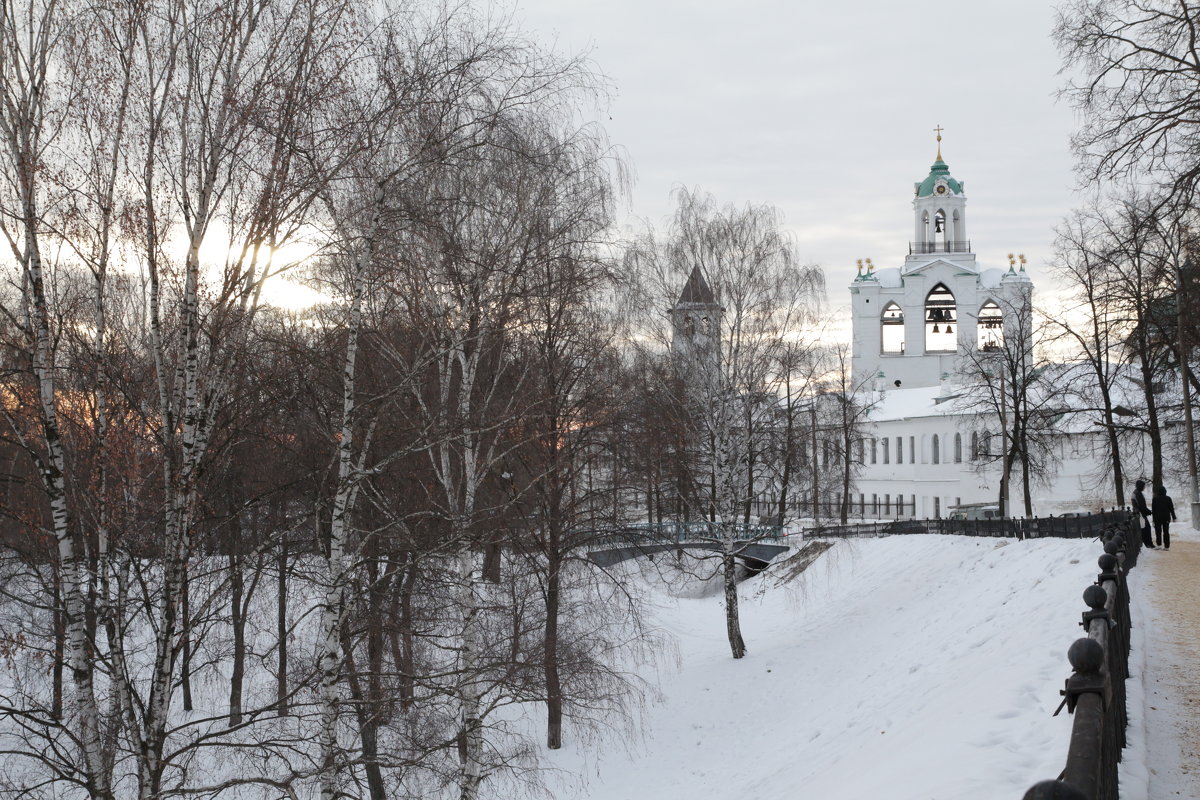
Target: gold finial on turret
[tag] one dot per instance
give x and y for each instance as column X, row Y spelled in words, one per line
column 1012, row 262
column 870, row 266
column 860, row 267
column 1021, row 257
column 939, row 130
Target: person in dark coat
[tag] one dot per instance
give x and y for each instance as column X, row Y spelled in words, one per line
column 1139, row 505
column 1162, row 508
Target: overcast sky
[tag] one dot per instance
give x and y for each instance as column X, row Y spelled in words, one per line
column 826, row 110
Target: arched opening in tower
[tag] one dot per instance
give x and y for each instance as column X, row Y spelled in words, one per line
column 891, row 329
column 991, row 327
column 941, row 320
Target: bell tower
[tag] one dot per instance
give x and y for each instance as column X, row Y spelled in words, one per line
column 914, row 323
column 939, row 212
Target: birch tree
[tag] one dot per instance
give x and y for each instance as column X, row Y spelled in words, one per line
column 32, row 107
column 731, row 391
column 227, row 95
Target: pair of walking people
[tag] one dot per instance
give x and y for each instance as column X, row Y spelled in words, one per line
column 1161, row 510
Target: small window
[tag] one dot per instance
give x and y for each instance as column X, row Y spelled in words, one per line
column 885, row 451
column 957, row 448
column 899, row 450
column 873, row 448
column 935, row 454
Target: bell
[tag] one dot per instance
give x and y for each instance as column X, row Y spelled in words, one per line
column 935, row 327
column 949, row 329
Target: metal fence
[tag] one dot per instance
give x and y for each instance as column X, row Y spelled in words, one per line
column 1095, row 692
column 1077, row 527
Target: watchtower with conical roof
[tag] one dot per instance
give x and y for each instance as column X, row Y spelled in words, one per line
column 696, row 326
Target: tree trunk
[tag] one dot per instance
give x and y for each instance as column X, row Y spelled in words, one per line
column 60, row 639
column 470, row 698
column 281, row 626
column 185, row 656
column 238, row 620
column 554, row 699
column 366, row 712
column 402, row 635
column 733, row 624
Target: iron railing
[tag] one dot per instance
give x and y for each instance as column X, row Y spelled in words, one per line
column 922, row 248
column 1080, row 527
column 1095, row 692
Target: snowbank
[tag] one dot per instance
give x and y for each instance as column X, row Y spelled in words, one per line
column 910, row 667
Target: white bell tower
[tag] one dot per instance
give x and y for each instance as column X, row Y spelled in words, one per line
column 939, row 212
column 913, row 324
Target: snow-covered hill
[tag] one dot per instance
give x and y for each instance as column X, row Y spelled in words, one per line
column 910, row 667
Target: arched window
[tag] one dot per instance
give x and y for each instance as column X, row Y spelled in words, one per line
column 936, row 453
column 891, row 329
column 985, row 443
column 991, row 327
column 974, row 445
column 957, row 448
column 941, row 315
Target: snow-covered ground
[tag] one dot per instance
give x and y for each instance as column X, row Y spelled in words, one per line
column 908, row 667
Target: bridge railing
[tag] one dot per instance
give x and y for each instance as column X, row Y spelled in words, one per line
column 1095, row 692
column 681, row 533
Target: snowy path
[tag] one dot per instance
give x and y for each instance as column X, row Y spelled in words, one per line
column 1169, row 585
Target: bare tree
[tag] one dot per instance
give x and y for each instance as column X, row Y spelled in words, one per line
column 1014, row 386
column 745, row 292
column 1098, row 338
column 1135, row 77
column 33, row 101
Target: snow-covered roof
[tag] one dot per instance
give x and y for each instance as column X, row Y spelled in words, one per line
column 925, row 401
column 888, row 277
column 990, row 278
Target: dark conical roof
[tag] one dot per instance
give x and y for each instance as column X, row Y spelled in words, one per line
column 696, row 290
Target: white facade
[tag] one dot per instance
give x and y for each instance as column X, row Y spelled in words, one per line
column 912, row 324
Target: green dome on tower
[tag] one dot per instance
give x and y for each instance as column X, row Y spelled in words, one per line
column 938, row 173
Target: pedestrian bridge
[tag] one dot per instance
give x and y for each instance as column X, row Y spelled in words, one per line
column 755, row 546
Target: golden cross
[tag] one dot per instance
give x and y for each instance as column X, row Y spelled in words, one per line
column 939, row 130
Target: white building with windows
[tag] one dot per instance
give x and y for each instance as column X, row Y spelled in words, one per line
column 924, row 450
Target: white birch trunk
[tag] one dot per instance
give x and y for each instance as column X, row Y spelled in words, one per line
column 469, row 693
column 340, row 555
column 23, row 106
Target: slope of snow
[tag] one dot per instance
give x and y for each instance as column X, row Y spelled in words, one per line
column 909, row 667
